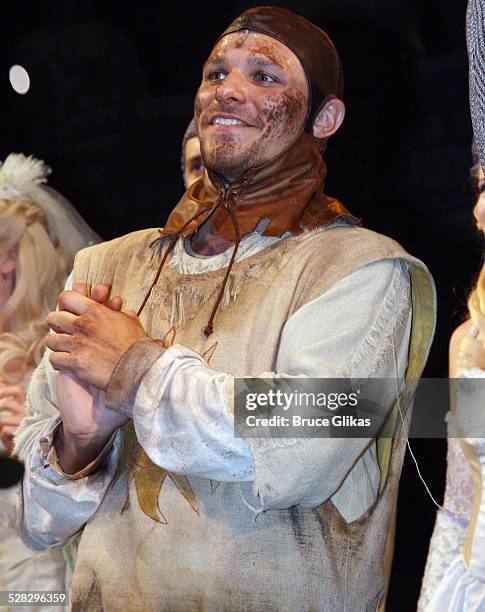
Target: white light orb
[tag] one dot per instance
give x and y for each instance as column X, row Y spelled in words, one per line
column 19, row 79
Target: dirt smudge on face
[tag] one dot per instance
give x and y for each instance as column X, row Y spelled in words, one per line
column 270, row 52
column 234, row 40
column 285, row 115
column 239, row 42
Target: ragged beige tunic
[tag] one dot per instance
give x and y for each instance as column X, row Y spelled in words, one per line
column 177, row 542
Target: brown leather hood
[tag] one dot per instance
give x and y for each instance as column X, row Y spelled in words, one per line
column 287, row 191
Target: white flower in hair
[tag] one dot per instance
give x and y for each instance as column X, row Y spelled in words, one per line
column 18, row 174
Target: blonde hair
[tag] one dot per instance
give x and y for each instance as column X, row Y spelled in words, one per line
column 476, row 299
column 476, row 302
column 41, row 270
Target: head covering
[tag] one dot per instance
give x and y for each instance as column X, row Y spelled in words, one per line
column 476, row 54
column 312, row 46
column 190, row 132
column 23, row 178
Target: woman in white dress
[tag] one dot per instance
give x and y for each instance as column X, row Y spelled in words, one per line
column 454, row 578
column 39, row 233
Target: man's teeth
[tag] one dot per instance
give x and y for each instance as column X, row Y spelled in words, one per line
column 224, row 121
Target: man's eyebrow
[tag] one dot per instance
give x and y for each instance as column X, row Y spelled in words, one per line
column 215, row 61
column 256, row 59
column 260, row 60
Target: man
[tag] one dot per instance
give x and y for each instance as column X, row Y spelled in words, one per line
column 186, row 516
column 192, row 164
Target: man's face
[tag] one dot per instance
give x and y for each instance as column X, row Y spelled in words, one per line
column 194, row 167
column 251, row 104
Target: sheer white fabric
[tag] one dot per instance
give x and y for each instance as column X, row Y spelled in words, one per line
column 451, row 524
column 448, row 584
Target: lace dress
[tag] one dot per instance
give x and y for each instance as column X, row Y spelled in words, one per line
column 448, row 583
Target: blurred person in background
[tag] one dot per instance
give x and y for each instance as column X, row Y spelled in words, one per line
column 455, row 569
column 192, row 164
column 454, row 578
column 39, row 234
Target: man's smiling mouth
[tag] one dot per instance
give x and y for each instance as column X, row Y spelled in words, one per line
column 222, row 119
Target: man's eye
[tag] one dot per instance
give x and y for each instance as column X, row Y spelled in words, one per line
column 481, row 187
column 264, row 77
column 216, row 75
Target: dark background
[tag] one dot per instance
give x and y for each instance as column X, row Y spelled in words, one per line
column 112, row 89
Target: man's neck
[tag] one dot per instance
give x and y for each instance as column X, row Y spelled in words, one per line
column 207, row 241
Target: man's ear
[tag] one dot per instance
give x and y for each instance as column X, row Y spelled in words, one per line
column 8, row 262
column 329, row 119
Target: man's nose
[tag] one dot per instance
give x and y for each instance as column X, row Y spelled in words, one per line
column 232, row 88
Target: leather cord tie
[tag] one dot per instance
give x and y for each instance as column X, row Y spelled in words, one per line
column 225, row 203
column 209, row 328
column 164, row 259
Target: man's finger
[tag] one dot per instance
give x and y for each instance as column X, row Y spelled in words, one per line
column 81, row 288
column 74, row 302
column 60, row 343
column 100, row 293
column 61, row 321
column 62, row 361
column 115, row 303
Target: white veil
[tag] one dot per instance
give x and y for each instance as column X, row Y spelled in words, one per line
column 24, row 178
